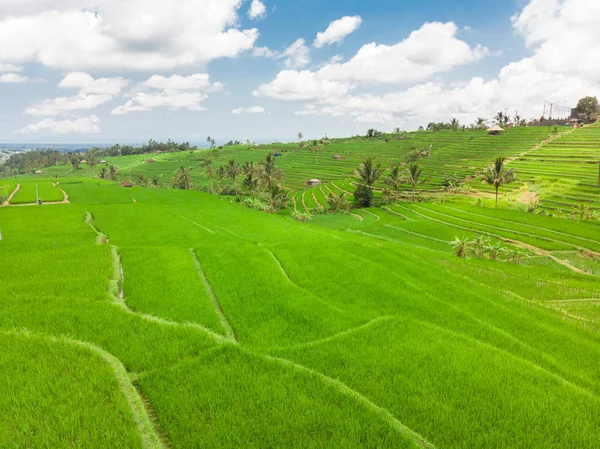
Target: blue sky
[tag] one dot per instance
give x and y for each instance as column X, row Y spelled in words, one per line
column 102, row 72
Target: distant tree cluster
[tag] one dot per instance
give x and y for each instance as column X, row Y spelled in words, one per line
column 30, row 161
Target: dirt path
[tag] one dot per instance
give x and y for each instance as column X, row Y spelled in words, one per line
column 528, row 197
column 538, row 146
column 10, row 197
column 544, row 253
column 315, row 199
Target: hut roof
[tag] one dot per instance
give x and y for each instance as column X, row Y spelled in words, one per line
column 126, row 184
column 151, row 161
column 495, row 128
column 314, row 181
column 38, row 172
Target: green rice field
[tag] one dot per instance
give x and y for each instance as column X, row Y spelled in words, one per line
column 164, row 318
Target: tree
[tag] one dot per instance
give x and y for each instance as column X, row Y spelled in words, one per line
column 142, row 180
column 413, row 177
column 451, row 181
column 496, row 175
column 369, row 172
column 300, row 136
column 372, row 132
column 454, row 124
column 588, row 108
column 113, row 172
column 268, row 174
column 337, row 202
column 211, row 142
column 103, row 174
column 315, row 148
column 395, row 177
column 481, row 123
column 208, row 171
column 502, row 118
column 479, row 243
column 363, row 196
column 156, row 182
column 182, row 179
column 233, row 170
column 460, row 245
column 250, row 171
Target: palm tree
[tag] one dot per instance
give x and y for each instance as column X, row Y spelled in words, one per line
column 155, row 182
column 460, row 245
column 221, row 174
column 315, row 148
column 413, row 177
column 481, row 123
column 369, row 172
column 495, row 175
column 182, row 179
column 113, row 172
column 269, row 175
column 454, row 124
column 395, row 178
column 300, row 136
column 208, row 170
column 233, row 170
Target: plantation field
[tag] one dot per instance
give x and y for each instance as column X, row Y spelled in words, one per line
column 170, row 318
column 46, row 191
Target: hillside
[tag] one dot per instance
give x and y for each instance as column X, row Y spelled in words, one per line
column 170, row 318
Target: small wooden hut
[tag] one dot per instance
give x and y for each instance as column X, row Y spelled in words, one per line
column 151, row 161
column 495, row 130
column 126, row 184
column 336, row 157
column 313, row 182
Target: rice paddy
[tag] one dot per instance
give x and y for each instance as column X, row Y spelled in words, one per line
column 156, row 318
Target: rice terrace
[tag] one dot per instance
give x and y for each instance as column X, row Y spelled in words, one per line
column 429, row 288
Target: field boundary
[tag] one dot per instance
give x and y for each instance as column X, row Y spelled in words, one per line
column 150, row 436
column 344, row 389
column 11, row 196
column 227, row 327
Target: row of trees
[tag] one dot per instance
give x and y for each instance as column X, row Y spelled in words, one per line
column 481, row 245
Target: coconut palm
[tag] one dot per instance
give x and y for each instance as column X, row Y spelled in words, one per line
column 460, row 245
column 182, row 179
column 496, row 175
column 233, row 170
column 155, row 182
column 369, row 172
column 268, row 174
column 412, row 176
column 221, row 174
column 454, row 124
column 315, row 148
column 481, row 123
column 395, row 177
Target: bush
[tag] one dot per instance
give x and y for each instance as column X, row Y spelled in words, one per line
column 363, row 196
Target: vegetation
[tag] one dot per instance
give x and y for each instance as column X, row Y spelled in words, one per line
column 496, row 175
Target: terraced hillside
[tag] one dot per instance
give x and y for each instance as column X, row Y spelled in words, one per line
column 565, row 172
column 205, row 323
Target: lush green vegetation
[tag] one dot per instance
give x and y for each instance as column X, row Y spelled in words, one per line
column 203, row 322
column 169, row 317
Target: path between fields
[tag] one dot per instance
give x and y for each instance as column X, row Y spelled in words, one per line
column 10, row 197
column 150, row 436
column 538, row 146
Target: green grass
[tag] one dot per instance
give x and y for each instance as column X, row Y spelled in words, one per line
column 45, row 191
column 245, row 329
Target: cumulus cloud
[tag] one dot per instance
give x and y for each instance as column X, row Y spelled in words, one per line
column 127, row 35
column 92, row 94
column 82, row 125
column 13, row 78
column 297, row 55
column 560, row 69
column 4, row 67
column 257, row 10
column 337, row 31
column 292, row 85
column 249, row 110
column 174, row 93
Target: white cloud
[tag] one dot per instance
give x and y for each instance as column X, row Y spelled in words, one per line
column 265, row 52
column 174, row 93
column 88, row 85
column 82, row 125
column 337, row 31
column 13, row 78
column 431, row 49
column 92, row 94
column 257, row 10
column 292, row 85
column 249, row 110
column 66, row 105
column 10, row 67
column 197, row 81
column 127, row 35
column 297, row 54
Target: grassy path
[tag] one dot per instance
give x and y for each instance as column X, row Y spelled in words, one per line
column 149, row 435
column 229, row 332
column 11, row 196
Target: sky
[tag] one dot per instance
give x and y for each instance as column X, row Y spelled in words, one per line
column 106, row 71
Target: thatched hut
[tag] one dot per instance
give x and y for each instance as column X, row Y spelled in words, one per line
column 336, row 157
column 313, row 182
column 38, row 172
column 126, row 184
column 495, row 130
column 151, row 161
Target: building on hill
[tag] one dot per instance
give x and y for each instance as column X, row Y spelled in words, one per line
column 313, row 182
column 337, row 157
column 38, row 172
column 151, row 161
column 126, row 184
column 495, row 130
